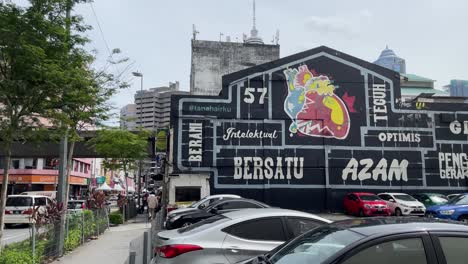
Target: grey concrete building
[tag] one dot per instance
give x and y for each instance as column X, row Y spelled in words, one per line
column 153, row 106
column 213, row 59
column 128, row 117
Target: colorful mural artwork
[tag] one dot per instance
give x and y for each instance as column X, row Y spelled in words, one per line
column 310, row 127
column 313, row 106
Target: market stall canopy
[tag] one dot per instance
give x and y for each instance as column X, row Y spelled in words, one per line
column 104, row 187
column 117, row 187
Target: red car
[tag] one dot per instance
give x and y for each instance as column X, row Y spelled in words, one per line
column 365, row 204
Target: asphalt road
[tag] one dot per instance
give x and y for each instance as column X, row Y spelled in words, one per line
column 15, row 234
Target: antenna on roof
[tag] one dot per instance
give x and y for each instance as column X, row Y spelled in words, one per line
column 220, row 36
column 195, row 32
column 277, row 37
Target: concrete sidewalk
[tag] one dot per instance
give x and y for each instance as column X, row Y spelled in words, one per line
column 111, row 247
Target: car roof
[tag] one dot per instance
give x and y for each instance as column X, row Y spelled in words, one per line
column 28, row 195
column 235, row 200
column 266, row 212
column 222, row 195
column 362, row 193
column 394, row 225
column 393, row 193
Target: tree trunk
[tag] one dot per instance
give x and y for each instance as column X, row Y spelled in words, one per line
column 69, row 168
column 6, row 168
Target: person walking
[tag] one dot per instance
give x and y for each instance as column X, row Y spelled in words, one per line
column 152, row 204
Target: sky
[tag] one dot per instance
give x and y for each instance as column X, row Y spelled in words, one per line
column 155, row 34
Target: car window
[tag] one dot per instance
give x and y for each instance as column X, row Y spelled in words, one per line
column 454, row 249
column 204, row 224
column 39, row 201
column 19, row 201
column 405, row 197
column 370, row 197
column 405, row 251
column 236, row 205
column 316, row 246
column 269, row 229
column 385, row 197
column 460, row 200
column 300, row 225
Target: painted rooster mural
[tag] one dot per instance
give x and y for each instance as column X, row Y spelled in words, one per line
column 313, row 106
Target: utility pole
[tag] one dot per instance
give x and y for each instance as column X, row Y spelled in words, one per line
column 139, row 74
column 62, row 177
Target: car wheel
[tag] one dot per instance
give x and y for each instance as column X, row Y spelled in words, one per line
column 398, row 212
column 463, row 218
column 186, row 224
column 361, row 213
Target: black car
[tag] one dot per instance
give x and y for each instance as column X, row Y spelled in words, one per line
column 223, row 206
column 389, row 240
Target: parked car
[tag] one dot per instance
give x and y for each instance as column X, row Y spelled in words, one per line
column 383, row 240
column 365, row 204
column 76, row 205
column 232, row 237
column 51, row 194
column 222, row 206
column 204, row 202
column 430, row 199
column 19, row 208
column 456, row 209
column 403, row 204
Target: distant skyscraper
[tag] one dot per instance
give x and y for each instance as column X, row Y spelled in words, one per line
column 390, row 60
column 128, row 117
column 213, row 59
column 156, row 102
column 458, row 88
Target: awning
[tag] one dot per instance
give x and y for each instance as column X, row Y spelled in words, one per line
column 118, row 188
column 104, row 187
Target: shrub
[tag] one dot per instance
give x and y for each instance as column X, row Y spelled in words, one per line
column 9, row 256
column 73, row 239
column 116, row 218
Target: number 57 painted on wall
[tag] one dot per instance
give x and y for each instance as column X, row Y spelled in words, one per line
column 249, row 96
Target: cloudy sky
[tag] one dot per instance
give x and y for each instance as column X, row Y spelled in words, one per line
column 155, row 34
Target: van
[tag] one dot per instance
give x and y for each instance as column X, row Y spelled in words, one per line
column 51, row 194
column 19, row 208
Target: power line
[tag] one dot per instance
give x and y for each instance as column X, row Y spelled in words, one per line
column 100, row 30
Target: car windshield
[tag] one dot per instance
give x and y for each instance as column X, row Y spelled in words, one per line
column 460, row 200
column 202, row 225
column 404, row 197
column 370, row 197
column 316, row 246
column 19, row 201
column 196, row 204
column 439, row 199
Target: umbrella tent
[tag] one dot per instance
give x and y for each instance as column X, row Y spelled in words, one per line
column 104, row 187
column 118, row 188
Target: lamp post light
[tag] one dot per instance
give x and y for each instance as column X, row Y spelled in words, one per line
column 140, row 75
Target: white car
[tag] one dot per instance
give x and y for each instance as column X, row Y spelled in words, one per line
column 232, row 237
column 19, row 208
column 204, row 202
column 403, row 204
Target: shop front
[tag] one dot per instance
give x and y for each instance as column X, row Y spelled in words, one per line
column 302, row 131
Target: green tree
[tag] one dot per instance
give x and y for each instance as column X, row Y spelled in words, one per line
column 121, row 149
column 32, row 75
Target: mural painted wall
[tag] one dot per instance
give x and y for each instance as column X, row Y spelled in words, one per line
column 302, row 131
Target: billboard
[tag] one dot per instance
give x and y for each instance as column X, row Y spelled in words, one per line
column 315, row 125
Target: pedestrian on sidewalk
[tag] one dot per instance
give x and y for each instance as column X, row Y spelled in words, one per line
column 152, row 204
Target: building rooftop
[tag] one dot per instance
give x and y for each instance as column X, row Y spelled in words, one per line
column 416, row 78
column 407, row 90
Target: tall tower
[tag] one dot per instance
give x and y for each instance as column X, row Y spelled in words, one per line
column 254, row 38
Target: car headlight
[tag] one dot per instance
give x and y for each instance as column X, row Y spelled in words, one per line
column 368, row 206
column 446, row 212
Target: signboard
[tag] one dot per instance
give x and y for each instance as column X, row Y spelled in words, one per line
column 315, row 125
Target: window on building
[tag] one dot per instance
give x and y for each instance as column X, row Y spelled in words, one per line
column 15, row 163
column 187, row 194
column 51, row 164
column 81, row 166
column 30, row 164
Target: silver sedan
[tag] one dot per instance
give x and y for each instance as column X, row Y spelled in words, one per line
column 232, row 237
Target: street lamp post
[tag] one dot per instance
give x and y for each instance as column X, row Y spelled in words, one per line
column 140, row 75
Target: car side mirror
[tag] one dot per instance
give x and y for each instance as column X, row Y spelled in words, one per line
column 391, row 200
column 202, row 206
